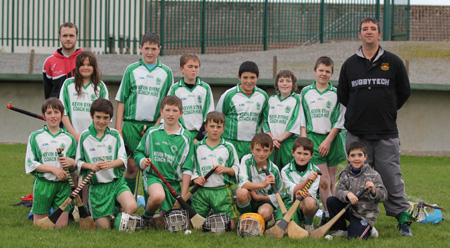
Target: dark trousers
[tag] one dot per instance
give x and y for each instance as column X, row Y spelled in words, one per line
column 356, row 227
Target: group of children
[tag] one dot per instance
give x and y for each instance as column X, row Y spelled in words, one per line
column 186, row 139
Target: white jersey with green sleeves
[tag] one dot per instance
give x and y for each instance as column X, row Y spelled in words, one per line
column 197, row 102
column 143, row 89
column 248, row 172
column 321, row 111
column 77, row 108
column 91, row 150
column 291, row 177
column 283, row 115
column 243, row 113
column 207, row 157
column 41, row 149
column 172, row 155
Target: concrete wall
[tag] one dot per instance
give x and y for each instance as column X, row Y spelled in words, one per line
column 422, row 121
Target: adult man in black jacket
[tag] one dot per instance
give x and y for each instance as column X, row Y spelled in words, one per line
column 373, row 85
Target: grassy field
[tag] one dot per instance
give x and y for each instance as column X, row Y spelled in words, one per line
column 426, row 179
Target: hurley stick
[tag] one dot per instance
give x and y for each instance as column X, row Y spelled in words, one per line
column 277, row 194
column 294, row 230
column 86, row 221
column 49, row 221
column 196, row 220
column 10, row 106
column 321, row 231
column 194, row 189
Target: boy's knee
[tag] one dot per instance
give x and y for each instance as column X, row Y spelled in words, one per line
column 324, row 184
column 242, row 195
column 131, row 208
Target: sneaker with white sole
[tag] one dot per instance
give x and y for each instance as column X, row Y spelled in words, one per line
column 373, row 233
column 405, row 229
column 340, row 233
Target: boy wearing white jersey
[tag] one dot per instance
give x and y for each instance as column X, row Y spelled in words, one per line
column 101, row 149
column 195, row 94
column 322, row 119
column 254, row 194
column 50, row 187
column 144, row 84
column 214, row 152
column 281, row 117
column 243, row 106
column 170, row 148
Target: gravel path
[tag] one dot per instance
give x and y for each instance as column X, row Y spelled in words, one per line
column 428, row 67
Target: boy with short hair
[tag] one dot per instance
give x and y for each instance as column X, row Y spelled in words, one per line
column 254, row 192
column 215, row 152
column 101, row 149
column 295, row 176
column 357, row 176
column 195, row 94
column 50, row 187
column 170, row 148
column 143, row 85
column 322, row 119
column 243, row 106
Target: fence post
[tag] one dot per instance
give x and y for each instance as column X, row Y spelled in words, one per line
column 386, row 19
column 265, row 23
column 377, row 10
column 161, row 27
column 321, row 21
column 203, row 27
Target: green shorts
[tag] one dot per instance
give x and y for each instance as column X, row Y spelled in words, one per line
column 48, row 194
column 132, row 132
column 102, row 197
column 298, row 216
column 336, row 154
column 242, row 147
column 219, row 199
column 170, row 199
column 284, row 156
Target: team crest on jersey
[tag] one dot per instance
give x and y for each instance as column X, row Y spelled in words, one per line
column 109, row 149
column 174, row 149
column 93, row 98
column 199, row 99
column 328, row 104
column 385, row 66
column 63, row 146
column 258, row 106
column 220, row 160
column 29, row 163
column 287, row 109
column 158, row 81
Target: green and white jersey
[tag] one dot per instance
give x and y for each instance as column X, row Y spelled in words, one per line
column 291, row 177
column 41, row 149
column 282, row 115
column 248, row 172
column 142, row 91
column 207, row 157
column 197, row 102
column 243, row 113
column 172, row 155
column 76, row 107
column 92, row 150
column 321, row 111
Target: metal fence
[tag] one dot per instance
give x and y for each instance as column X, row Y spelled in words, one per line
column 214, row 26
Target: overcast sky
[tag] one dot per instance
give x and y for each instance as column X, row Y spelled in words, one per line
column 430, row 2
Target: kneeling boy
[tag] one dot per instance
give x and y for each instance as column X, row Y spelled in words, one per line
column 357, row 176
column 50, row 185
column 295, row 176
column 215, row 152
column 254, row 192
column 101, row 149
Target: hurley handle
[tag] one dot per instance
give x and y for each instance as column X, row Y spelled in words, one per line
column 307, row 186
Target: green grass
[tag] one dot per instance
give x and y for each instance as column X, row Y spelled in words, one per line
column 426, row 178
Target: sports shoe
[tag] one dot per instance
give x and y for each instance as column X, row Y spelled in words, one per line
column 340, row 233
column 309, row 228
column 373, row 233
column 405, row 229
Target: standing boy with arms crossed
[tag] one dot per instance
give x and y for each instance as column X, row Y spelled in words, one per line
column 50, row 187
column 143, row 86
column 322, row 118
column 215, row 152
column 101, row 149
column 243, row 106
column 170, row 148
column 254, row 192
